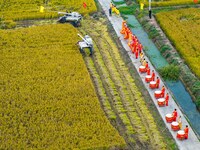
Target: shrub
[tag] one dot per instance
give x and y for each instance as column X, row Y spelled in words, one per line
column 170, row 72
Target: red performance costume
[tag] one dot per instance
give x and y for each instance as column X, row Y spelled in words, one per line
column 167, row 99
column 147, row 65
column 148, row 71
column 124, row 26
column 174, row 114
column 157, row 82
column 140, row 47
column 163, row 91
column 153, row 76
column 186, row 130
column 136, row 53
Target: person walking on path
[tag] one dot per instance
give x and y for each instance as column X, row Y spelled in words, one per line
column 110, row 11
column 166, row 99
column 186, row 130
column 174, row 114
column 180, row 122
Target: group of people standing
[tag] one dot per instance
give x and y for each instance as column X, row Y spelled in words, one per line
column 186, row 129
column 136, row 48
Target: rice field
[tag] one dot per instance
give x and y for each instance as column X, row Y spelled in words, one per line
column 47, row 99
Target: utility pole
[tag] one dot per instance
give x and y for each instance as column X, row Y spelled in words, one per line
column 150, row 9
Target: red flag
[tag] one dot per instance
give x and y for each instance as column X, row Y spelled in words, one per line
column 195, row 1
column 84, row 5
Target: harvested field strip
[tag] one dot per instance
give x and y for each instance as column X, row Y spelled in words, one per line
column 100, row 89
column 123, row 93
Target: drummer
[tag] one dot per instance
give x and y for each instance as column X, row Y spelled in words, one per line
column 147, row 65
column 157, row 82
column 186, row 130
column 153, row 76
column 180, row 122
column 166, row 99
column 174, row 114
column 148, row 71
column 163, row 91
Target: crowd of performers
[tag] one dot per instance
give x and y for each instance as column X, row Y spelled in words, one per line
column 137, row 49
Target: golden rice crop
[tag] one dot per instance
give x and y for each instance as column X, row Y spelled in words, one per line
column 47, row 100
column 23, row 9
column 183, row 28
column 167, row 2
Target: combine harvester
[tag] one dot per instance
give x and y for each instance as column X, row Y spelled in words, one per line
column 86, row 43
column 73, row 18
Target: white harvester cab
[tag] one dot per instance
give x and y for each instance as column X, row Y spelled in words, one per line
column 86, row 43
column 74, row 18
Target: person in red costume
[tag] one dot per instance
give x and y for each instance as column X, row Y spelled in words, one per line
column 186, row 130
column 166, row 99
column 163, row 91
column 157, row 82
column 136, row 53
column 148, row 71
column 174, row 114
column 140, row 47
column 147, row 65
column 153, row 75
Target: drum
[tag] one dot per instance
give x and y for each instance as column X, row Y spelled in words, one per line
column 148, row 78
column 152, row 84
column 157, row 94
column 142, row 69
column 161, row 102
column 175, row 126
column 169, row 118
column 180, row 135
